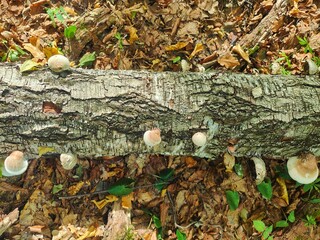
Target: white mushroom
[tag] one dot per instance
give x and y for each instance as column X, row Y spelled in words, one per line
column 58, row 63
column 199, row 139
column 152, row 137
column 14, row 164
column 68, row 161
column 260, row 167
column 303, row 169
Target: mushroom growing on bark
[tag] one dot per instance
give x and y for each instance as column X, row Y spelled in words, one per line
column 58, row 63
column 68, row 161
column 199, row 139
column 303, row 169
column 152, row 137
column 14, row 164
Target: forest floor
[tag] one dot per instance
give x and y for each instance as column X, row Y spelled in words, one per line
column 173, row 197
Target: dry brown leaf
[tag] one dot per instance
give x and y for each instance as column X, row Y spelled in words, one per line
column 190, row 162
column 238, row 49
column 228, row 61
column 36, row 228
column 228, row 161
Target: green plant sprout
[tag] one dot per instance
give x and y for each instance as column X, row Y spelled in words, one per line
column 13, row 53
column 265, row 188
column 261, row 227
column 233, row 199
column 304, row 43
column 164, row 178
column 61, row 15
column 285, row 223
column 120, row 40
column 309, row 188
column 310, row 221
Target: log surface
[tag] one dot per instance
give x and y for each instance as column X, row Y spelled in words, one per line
column 107, row 112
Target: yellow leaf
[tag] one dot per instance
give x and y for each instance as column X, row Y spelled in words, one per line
column 74, row 189
column 176, row 46
column 50, row 51
column 36, row 52
column 126, row 201
column 133, row 34
column 103, row 202
column 238, row 49
column 29, row 65
column 198, row 48
column 163, row 192
column 284, row 191
column 44, row 150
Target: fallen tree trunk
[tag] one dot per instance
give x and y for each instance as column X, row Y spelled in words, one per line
column 97, row 113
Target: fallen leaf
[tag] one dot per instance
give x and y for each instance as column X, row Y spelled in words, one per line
column 104, row 202
column 228, row 161
column 36, row 228
column 239, row 50
column 74, row 189
column 36, row 52
column 132, row 34
column 284, row 192
column 198, row 48
column 176, row 46
column 126, row 201
column 29, row 65
column 228, row 61
column 44, row 150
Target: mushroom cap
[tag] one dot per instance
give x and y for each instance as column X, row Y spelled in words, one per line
column 58, row 63
column 303, row 169
column 15, row 164
column 68, row 161
column 152, row 137
column 199, row 139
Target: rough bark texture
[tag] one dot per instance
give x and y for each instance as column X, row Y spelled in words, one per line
column 107, row 112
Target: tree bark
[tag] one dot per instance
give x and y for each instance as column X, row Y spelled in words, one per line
column 97, row 113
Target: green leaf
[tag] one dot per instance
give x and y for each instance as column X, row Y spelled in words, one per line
column 270, row 238
column 267, row 232
column 156, row 221
column 282, row 223
column 233, row 199
column 265, row 189
column 176, row 59
column 259, row 225
column 307, row 187
column 57, row 188
column 315, row 200
column 238, row 169
column 164, row 177
column 87, row 59
column 166, row 174
column 122, row 187
column 180, row 235
column 69, row 32
column 13, row 55
column 291, row 217
column 29, row 65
